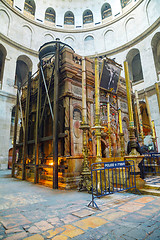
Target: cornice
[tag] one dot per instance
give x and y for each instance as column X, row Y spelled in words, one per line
column 19, row 46
column 148, row 89
column 124, row 47
column 7, row 95
column 79, row 30
column 131, row 43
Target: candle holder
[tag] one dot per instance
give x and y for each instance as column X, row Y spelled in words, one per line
column 85, row 183
column 110, row 142
column 121, row 135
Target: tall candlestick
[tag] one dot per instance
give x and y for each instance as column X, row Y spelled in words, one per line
column 84, row 108
column 130, row 112
column 120, row 121
column 139, row 116
column 129, row 99
column 97, row 105
column 108, row 114
column 153, row 130
column 158, row 94
column 148, row 110
column 109, row 126
column 85, row 183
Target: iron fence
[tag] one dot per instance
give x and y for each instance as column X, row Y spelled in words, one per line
column 151, row 164
column 110, row 177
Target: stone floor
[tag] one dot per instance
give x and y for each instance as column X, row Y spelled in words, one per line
column 153, row 181
column 34, row 212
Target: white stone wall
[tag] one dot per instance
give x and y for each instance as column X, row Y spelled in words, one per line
column 133, row 27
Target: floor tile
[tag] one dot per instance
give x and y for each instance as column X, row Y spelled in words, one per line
column 90, row 222
column 131, row 207
column 83, row 213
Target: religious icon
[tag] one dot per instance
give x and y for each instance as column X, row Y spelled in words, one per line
column 109, row 76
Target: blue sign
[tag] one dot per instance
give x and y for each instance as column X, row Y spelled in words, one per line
column 114, row 164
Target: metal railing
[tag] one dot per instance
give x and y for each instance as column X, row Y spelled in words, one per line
column 151, row 164
column 110, row 177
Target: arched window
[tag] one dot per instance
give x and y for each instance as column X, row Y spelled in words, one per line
column 23, row 66
column 125, row 3
column 106, row 11
column 89, row 45
column 50, row 15
column 70, row 41
column 29, row 6
column 3, row 54
column 87, row 16
column 155, row 43
column 135, row 67
column 69, row 18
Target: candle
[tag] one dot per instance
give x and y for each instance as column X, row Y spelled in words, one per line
column 153, row 130
column 120, row 121
column 108, row 112
column 129, row 97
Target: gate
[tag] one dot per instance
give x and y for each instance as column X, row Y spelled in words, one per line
column 110, row 177
column 151, row 164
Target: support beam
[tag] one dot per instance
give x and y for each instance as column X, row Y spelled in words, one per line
column 55, row 121
column 25, row 133
column 37, row 132
column 15, row 135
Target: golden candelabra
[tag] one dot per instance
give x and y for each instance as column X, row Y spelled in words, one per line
column 97, row 126
column 150, row 121
column 121, row 134
column 130, row 112
column 109, row 126
column 85, row 183
column 139, row 117
column 153, row 135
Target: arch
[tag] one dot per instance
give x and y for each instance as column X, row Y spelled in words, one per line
column 5, row 22
column 3, row 54
column 130, row 28
column 89, row 44
column 106, row 11
column 70, row 41
column 50, row 15
column 152, row 9
column 23, row 67
column 27, row 37
column 77, row 132
column 155, row 43
column 48, row 37
column 134, row 64
column 104, row 148
column 124, row 3
column 69, row 18
column 109, row 38
column 87, row 16
column 30, row 7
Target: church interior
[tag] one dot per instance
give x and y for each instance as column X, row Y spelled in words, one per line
column 79, row 80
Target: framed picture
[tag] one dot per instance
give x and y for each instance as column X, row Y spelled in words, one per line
column 109, row 76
